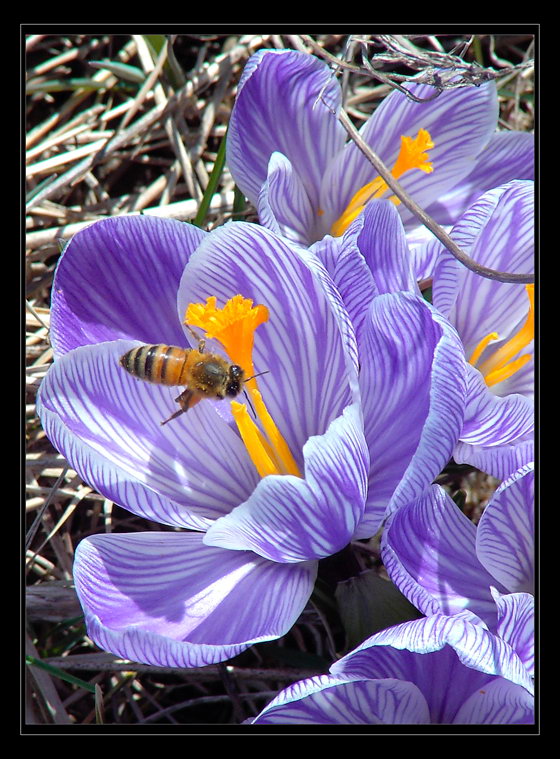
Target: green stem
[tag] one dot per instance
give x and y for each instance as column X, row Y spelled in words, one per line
column 212, row 184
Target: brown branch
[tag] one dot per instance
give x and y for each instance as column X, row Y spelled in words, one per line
column 427, row 221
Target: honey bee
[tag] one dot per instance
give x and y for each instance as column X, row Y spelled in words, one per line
column 206, row 375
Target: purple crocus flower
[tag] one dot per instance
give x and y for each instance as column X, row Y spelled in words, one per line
column 443, row 563
column 493, row 319
column 290, row 155
column 262, row 502
column 438, row 670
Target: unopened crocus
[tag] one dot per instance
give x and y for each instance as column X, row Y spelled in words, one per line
column 291, row 156
column 266, row 485
column 445, row 564
column 440, row 670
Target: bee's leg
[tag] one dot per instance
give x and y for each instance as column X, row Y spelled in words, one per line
column 186, row 400
column 201, row 342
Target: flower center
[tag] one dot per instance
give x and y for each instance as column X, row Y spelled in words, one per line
column 499, row 366
column 234, row 327
column 412, row 155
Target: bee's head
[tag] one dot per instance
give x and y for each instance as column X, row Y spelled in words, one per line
column 235, row 380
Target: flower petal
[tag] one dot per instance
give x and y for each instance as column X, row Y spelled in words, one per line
column 491, row 420
column 108, row 425
column 286, row 102
column 291, row 519
column 118, row 278
column 508, row 156
column 167, row 599
column 476, row 648
column 498, row 461
column 498, row 703
column 382, row 242
column 516, row 625
column 413, row 393
column 328, row 700
column 428, row 549
column 283, row 203
column 505, row 541
column 349, row 271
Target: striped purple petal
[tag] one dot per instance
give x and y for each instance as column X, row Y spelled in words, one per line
column 428, row 548
column 497, row 703
column 286, row 102
column 516, row 625
column 447, row 658
column 505, row 541
column 328, row 700
column 166, row 599
column 382, row 242
column 301, row 346
column 491, row 420
column 283, row 203
column 289, row 519
column 413, row 393
column 108, row 425
column 349, row 271
column 118, row 278
column 498, row 461
column 508, row 156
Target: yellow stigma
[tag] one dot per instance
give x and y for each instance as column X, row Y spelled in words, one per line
column 413, row 155
column 499, row 366
column 234, row 327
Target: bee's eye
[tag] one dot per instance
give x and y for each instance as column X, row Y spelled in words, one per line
column 233, row 388
column 235, row 372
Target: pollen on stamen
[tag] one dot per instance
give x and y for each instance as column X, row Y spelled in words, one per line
column 233, row 325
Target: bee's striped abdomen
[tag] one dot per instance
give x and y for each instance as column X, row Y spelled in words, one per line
column 161, row 364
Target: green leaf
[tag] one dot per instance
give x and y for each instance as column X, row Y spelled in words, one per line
column 427, row 294
column 368, row 604
column 239, row 204
column 122, row 70
column 60, row 673
column 171, row 67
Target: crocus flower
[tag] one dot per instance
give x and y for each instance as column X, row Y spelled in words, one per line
column 290, row 155
column 493, row 319
column 265, row 489
column 437, row 670
column 445, row 564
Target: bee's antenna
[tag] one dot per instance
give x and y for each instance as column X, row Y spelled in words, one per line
column 267, row 371
column 249, row 402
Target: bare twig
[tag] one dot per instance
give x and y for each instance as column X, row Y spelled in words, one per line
column 442, row 71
